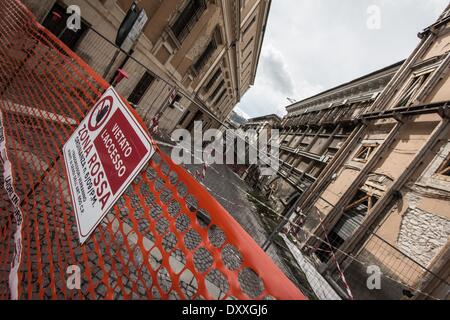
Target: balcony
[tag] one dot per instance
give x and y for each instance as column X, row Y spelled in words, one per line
column 298, row 172
column 309, row 155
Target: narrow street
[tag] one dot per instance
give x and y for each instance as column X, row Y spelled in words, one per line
column 251, row 212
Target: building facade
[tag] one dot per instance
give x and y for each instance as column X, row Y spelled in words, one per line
column 371, row 162
column 207, row 49
column 316, row 128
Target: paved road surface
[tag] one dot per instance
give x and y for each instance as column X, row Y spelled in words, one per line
column 233, row 194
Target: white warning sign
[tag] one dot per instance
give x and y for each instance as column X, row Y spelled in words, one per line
column 103, row 156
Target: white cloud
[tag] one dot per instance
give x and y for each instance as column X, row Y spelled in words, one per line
column 241, row 113
column 312, row 45
column 276, row 73
column 273, row 86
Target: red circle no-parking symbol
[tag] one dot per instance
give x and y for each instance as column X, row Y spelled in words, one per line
column 100, row 113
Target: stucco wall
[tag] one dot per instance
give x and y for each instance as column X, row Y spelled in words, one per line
column 439, row 46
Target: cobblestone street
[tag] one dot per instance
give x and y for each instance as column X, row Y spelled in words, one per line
column 238, row 199
column 232, row 193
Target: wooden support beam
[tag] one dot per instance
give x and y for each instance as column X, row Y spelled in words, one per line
column 357, row 203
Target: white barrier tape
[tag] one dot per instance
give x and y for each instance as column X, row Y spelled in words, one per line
column 18, row 216
column 221, row 175
column 341, row 273
column 154, row 125
column 201, row 174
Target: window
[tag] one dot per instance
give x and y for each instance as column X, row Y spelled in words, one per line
column 292, row 160
column 286, row 141
column 183, row 119
column 444, row 169
column 326, row 248
column 303, row 146
column 331, row 152
column 176, row 100
column 56, row 22
column 205, row 56
column 198, row 117
column 219, row 98
column 316, row 170
column 413, row 89
column 141, row 88
column 213, row 79
column 352, row 218
column 247, row 45
column 246, row 67
column 365, row 152
column 249, row 25
column 188, row 18
column 361, row 203
column 217, row 90
column 246, row 58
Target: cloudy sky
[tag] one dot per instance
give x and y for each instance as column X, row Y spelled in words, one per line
column 313, row 45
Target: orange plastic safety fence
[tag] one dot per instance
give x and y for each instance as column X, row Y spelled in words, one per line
column 167, row 238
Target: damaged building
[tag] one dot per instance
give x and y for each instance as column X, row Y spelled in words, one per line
column 370, row 162
column 316, row 128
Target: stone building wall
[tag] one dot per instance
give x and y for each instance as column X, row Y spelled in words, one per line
column 422, row 234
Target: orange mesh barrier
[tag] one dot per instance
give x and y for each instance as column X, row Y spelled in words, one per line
column 167, row 238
